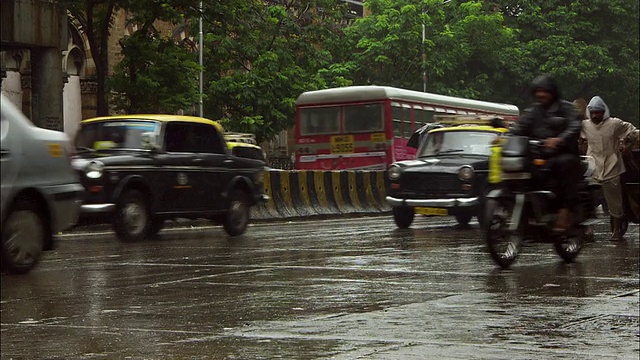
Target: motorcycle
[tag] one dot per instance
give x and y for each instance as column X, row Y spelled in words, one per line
column 521, row 204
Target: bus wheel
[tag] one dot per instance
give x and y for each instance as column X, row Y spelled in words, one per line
column 403, row 216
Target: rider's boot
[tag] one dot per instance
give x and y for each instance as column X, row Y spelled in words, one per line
column 616, row 229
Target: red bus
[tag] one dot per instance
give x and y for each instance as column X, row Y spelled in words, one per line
column 367, row 127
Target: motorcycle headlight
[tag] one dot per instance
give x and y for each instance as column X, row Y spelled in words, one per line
column 465, row 173
column 94, row 170
column 512, row 163
column 394, row 172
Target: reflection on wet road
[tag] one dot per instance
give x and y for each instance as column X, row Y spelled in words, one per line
column 341, row 289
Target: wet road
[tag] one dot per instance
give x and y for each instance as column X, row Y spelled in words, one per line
column 340, row 289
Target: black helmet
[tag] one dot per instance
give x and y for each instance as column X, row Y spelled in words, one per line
column 547, row 83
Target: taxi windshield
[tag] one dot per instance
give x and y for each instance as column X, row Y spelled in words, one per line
column 457, row 142
column 116, row 134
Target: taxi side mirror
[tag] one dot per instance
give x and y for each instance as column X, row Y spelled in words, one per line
column 149, row 141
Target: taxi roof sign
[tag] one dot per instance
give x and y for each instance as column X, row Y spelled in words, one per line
column 459, row 120
column 240, row 137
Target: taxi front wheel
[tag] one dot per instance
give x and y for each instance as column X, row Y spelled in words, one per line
column 236, row 219
column 403, row 216
column 132, row 220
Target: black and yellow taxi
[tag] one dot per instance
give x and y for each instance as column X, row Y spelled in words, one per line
column 244, row 145
column 449, row 176
column 142, row 170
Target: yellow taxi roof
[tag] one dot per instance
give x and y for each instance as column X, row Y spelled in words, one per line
column 156, row 117
column 471, row 128
column 232, row 144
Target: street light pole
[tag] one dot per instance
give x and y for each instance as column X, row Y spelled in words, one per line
column 424, row 56
column 200, row 61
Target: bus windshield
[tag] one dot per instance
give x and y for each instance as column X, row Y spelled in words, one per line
column 356, row 119
column 458, row 143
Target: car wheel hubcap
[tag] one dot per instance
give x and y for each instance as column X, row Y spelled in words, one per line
column 134, row 217
column 24, row 237
column 239, row 215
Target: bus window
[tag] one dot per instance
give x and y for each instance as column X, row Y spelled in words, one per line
column 422, row 116
column 318, row 121
column 363, row 118
column 397, row 120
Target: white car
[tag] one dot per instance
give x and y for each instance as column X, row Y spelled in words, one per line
column 41, row 193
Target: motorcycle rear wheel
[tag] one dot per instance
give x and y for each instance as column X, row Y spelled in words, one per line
column 503, row 244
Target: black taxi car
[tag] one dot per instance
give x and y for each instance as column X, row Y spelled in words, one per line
column 141, row 170
column 244, row 145
column 449, row 176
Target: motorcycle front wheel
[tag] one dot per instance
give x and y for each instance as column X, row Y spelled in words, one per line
column 503, row 244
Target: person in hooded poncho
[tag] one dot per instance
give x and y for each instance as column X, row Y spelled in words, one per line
column 557, row 123
column 603, row 134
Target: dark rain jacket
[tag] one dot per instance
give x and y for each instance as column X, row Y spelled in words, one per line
column 560, row 120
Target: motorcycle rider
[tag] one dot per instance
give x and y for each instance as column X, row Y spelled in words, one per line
column 603, row 134
column 557, row 124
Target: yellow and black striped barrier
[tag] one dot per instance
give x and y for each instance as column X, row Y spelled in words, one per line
column 309, row 193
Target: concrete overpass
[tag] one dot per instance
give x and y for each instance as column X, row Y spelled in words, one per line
column 39, row 26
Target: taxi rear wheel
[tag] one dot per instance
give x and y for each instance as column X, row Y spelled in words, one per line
column 464, row 218
column 403, row 216
column 236, row 219
column 132, row 220
column 24, row 234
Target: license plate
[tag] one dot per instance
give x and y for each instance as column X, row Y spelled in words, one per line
column 342, row 144
column 431, row 211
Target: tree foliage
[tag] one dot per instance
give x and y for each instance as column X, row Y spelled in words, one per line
column 262, row 55
column 591, row 46
column 156, row 75
column 96, row 19
column 460, row 43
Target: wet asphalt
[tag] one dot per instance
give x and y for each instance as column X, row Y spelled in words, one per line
column 352, row 288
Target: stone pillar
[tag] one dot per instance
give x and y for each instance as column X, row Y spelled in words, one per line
column 47, row 85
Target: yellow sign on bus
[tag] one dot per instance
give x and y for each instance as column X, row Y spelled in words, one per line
column 342, row 144
column 377, row 138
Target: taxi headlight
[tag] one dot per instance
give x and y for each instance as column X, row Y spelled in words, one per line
column 394, row 172
column 512, row 163
column 94, row 170
column 465, row 173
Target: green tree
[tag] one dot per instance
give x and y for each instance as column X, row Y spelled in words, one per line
column 463, row 46
column 96, row 19
column 261, row 56
column 591, row 46
column 155, row 75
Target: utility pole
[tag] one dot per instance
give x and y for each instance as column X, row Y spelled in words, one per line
column 200, row 46
column 424, row 56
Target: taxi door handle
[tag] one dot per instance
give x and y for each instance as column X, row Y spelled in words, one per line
column 198, row 160
column 228, row 162
column 4, row 153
